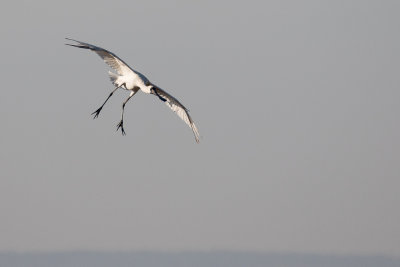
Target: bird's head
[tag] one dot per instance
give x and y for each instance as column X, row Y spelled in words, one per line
column 150, row 87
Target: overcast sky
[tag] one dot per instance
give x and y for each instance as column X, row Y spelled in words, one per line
column 297, row 103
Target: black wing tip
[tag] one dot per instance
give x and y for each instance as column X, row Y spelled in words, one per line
column 79, row 45
column 70, row 39
column 73, row 45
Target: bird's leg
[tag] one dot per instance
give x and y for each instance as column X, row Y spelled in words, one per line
column 97, row 112
column 121, row 123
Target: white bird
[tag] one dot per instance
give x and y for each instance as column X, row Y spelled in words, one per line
column 129, row 79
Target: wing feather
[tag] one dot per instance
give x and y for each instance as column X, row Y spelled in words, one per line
column 178, row 108
column 109, row 58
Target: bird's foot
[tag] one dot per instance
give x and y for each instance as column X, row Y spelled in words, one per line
column 121, row 125
column 97, row 112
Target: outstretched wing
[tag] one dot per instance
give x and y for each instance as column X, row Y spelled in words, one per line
column 177, row 107
column 109, row 58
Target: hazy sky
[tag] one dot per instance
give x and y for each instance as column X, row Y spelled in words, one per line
column 297, row 103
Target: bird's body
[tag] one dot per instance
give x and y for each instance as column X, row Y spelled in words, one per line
column 132, row 80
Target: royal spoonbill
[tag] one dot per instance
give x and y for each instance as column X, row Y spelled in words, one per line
column 133, row 81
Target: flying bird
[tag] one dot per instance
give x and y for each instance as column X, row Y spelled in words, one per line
column 133, row 81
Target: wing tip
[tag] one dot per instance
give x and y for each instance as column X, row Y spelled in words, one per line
column 74, row 45
column 70, row 39
column 80, row 44
column 195, row 132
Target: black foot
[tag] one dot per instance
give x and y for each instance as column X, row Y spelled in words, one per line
column 121, row 125
column 97, row 112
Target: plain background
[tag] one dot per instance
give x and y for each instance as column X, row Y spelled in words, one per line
column 297, row 103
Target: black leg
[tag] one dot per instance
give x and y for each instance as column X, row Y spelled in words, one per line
column 97, row 112
column 121, row 123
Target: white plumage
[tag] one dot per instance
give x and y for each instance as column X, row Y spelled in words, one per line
column 132, row 80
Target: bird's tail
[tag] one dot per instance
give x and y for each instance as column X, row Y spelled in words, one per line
column 113, row 77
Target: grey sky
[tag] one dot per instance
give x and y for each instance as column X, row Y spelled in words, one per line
column 297, row 103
